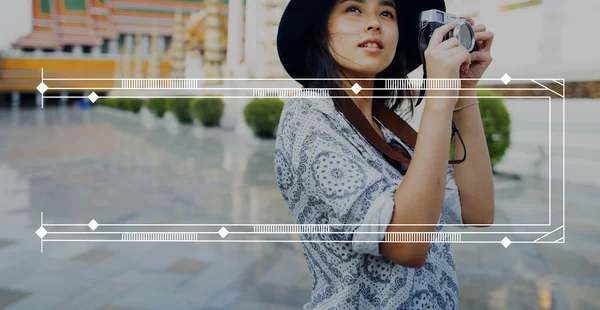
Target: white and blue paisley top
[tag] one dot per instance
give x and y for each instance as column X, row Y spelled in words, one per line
column 329, row 174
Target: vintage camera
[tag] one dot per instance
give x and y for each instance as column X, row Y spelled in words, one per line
column 430, row 20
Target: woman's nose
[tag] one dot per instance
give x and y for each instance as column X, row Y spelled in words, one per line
column 373, row 26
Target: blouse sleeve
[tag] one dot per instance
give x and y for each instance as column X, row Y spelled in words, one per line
column 325, row 180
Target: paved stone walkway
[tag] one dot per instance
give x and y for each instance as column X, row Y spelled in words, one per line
column 77, row 165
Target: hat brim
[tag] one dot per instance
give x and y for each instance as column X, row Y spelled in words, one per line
column 293, row 35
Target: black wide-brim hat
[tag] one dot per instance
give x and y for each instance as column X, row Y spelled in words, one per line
column 295, row 31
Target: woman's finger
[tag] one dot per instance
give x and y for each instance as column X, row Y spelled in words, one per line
column 458, row 55
column 463, row 65
column 486, row 37
column 479, row 28
column 449, row 44
column 476, row 56
column 438, row 35
column 468, row 18
column 455, row 51
column 481, row 56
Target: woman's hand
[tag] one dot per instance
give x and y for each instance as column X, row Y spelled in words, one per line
column 444, row 59
column 480, row 59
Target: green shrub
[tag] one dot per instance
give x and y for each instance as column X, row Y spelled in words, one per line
column 110, row 102
column 120, row 103
column 181, row 108
column 208, row 111
column 496, row 124
column 134, row 104
column 104, row 102
column 157, row 106
column 262, row 116
column 124, row 104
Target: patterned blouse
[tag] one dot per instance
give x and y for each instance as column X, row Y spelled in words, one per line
column 330, row 176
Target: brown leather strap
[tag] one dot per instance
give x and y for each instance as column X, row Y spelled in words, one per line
column 388, row 118
column 395, row 124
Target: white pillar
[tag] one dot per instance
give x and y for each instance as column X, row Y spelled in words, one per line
column 235, row 31
column 270, row 59
column 77, row 50
column 113, row 47
column 96, row 50
column 145, row 46
column 129, row 42
column 16, row 99
column 251, row 34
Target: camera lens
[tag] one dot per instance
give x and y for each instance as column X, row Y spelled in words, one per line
column 465, row 34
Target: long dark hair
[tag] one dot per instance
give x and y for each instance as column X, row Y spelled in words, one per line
column 326, row 68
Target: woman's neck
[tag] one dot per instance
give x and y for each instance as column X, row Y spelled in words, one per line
column 363, row 99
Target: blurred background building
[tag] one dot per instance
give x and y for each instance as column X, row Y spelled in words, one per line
column 114, row 38
column 540, row 39
column 124, row 38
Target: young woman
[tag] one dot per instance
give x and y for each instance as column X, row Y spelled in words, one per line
column 342, row 160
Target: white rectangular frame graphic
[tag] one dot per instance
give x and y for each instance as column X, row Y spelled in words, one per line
column 261, row 229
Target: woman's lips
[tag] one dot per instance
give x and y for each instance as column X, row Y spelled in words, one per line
column 370, row 47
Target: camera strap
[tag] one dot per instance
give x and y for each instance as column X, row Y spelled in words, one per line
column 388, row 118
column 391, row 121
column 422, row 44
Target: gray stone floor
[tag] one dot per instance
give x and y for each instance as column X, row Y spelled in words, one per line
column 80, row 165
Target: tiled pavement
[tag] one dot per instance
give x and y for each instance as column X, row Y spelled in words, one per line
column 76, row 166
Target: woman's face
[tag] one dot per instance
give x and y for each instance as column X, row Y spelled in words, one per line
column 363, row 35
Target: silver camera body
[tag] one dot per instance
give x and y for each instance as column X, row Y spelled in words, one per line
column 432, row 19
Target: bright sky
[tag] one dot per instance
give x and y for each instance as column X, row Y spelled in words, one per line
column 15, row 20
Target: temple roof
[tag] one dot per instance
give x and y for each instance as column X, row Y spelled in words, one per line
column 84, row 22
column 39, row 39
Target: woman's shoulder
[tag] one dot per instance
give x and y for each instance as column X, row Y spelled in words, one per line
column 309, row 106
column 311, row 122
column 300, row 118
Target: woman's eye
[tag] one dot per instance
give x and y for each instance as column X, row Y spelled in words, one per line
column 388, row 14
column 352, row 9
